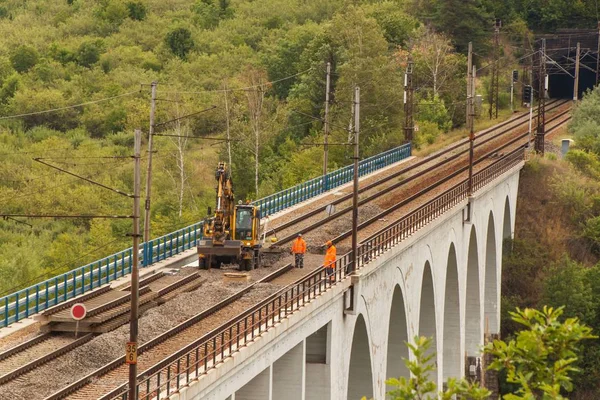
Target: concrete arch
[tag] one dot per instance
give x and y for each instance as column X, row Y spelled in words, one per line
column 507, row 222
column 397, row 336
column 490, row 307
column 360, row 373
column 473, row 334
column 451, row 319
column 427, row 316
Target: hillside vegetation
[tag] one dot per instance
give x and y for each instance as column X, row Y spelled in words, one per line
column 555, row 257
column 261, row 63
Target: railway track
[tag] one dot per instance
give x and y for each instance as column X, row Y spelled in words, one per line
column 110, row 376
column 521, row 119
column 48, row 346
column 383, row 187
column 35, row 352
column 157, row 349
column 458, row 175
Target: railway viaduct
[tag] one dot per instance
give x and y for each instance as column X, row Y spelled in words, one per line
column 442, row 281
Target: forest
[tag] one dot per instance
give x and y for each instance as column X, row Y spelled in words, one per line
column 75, row 80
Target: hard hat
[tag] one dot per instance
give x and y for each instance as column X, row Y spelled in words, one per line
column 328, row 243
column 299, row 235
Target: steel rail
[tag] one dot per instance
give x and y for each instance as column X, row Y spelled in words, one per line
column 24, row 346
column 164, row 336
column 401, row 172
column 44, row 359
column 84, row 339
column 554, row 105
column 280, row 272
column 396, row 185
column 433, row 186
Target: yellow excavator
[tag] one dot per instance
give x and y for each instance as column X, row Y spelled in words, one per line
column 232, row 236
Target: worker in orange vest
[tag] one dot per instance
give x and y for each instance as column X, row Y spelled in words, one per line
column 298, row 250
column 329, row 262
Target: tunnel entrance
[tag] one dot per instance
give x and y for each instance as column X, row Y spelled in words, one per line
column 561, row 52
column 561, row 82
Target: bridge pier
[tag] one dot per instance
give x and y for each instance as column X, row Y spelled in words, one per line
column 259, row 388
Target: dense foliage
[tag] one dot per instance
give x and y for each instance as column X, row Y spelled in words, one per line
column 540, row 360
column 261, row 63
column 554, row 259
column 225, row 53
column 419, row 386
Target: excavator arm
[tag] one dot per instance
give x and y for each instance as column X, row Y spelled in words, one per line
column 232, row 235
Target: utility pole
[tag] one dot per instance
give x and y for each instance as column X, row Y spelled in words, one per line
column 513, row 78
column 541, row 120
column 355, row 189
column 471, row 109
column 131, row 353
column 326, row 120
column 598, row 57
column 409, row 124
column 495, row 86
column 469, row 82
column 576, row 85
column 149, row 176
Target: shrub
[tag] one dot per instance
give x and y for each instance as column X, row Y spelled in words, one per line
column 24, row 58
column 137, row 10
column 180, row 42
column 88, row 53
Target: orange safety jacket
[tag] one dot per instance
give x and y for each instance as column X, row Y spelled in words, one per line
column 330, row 257
column 299, row 246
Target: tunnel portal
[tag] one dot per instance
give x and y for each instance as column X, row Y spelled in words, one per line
column 561, row 55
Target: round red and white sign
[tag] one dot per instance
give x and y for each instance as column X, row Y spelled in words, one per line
column 78, row 311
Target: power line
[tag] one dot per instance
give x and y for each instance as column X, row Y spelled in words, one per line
column 46, row 151
column 239, row 89
column 84, row 178
column 197, row 137
column 184, row 117
column 68, row 107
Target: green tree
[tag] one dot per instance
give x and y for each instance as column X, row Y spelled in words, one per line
column 585, row 124
column 463, row 20
column 137, row 10
column 420, row 387
column 9, row 88
column 24, row 58
column 567, row 284
column 540, row 360
column 180, row 42
column 207, row 13
column 88, row 53
column 111, row 13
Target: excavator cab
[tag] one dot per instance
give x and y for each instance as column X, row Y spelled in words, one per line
column 246, row 229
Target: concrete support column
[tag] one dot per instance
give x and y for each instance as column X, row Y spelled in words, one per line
column 288, row 375
column 317, row 364
column 259, row 388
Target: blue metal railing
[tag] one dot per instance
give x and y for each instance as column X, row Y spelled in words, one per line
column 53, row 291
column 41, row 296
column 314, row 187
